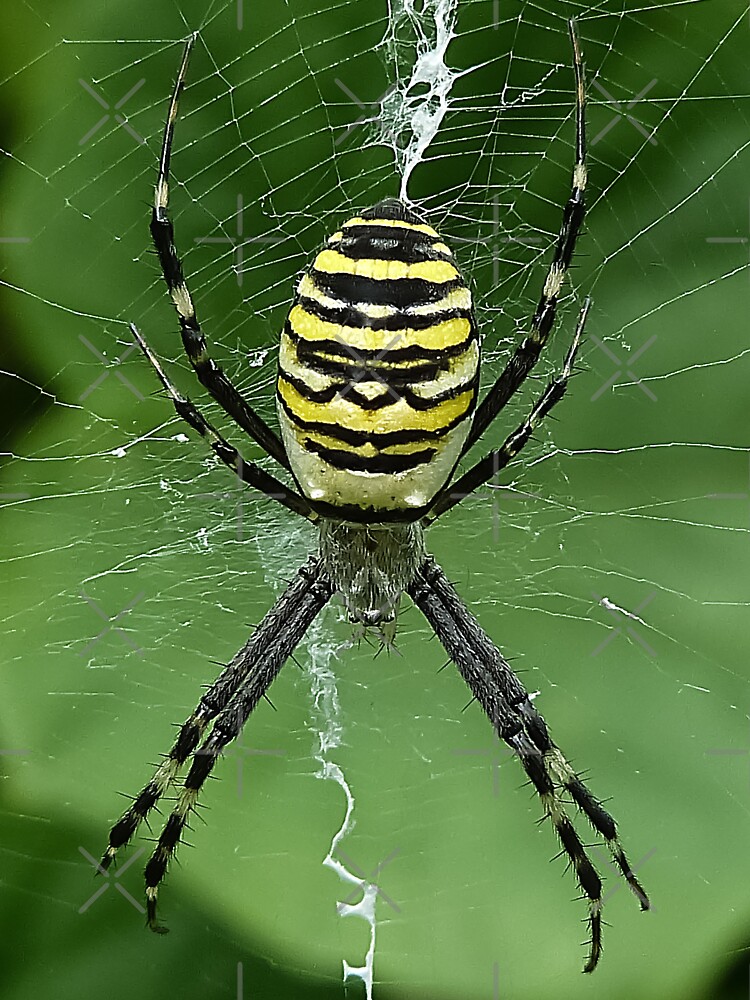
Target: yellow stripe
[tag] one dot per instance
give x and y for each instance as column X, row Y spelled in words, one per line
column 333, row 262
column 418, row 227
column 369, row 450
column 449, row 333
column 399, row 417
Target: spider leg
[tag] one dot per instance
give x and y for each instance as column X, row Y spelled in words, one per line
column 211, row 376
column 248, row 472
column 590, row 806
column 527, row 353
column 508, row 707
column 253, row 669
column 496, row 460
column 297, row 602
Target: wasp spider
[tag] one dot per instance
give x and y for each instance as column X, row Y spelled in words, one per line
column 377, row 402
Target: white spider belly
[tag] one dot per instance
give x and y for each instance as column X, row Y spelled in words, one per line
column 378, row 368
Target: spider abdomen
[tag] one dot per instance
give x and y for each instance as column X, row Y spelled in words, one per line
column 378, row 368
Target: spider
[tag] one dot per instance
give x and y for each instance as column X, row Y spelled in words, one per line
column 377, row 402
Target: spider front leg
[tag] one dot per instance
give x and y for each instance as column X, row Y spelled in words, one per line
column 508, row 707
column 492, row 463
column 211, row 376
column 527, row 353
column 247, row 472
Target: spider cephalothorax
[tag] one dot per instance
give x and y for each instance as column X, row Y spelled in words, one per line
column 377, row 393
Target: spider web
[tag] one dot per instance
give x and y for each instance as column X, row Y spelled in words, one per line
column 610, row 562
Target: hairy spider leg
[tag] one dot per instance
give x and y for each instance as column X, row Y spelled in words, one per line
column 211, row 376
column 507, row 705
column 528, row 351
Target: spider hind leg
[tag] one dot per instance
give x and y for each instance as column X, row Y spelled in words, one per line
column 508, row 707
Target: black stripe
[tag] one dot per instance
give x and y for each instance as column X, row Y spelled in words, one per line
column 351, row 316
column 363, row 243
column 383, row 439
column 387, row 464
column 369, row 514
column 347, row 387
column 399, row 292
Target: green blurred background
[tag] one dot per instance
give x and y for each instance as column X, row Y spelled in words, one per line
column 132, row 565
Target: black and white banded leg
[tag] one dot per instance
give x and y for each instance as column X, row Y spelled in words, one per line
column 248, row 472
column 527, row 353
column 496, row 460
column 226, row 705
column 211, row 376
column 508, row 707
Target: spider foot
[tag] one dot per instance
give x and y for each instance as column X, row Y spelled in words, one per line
column 595, row 930
column 151, row 919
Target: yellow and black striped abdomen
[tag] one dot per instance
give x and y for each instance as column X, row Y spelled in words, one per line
column 378, row 368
